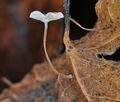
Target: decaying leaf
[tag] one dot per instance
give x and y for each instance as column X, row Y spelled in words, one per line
column 95, row 66
column 42, row 84
column 96, row 69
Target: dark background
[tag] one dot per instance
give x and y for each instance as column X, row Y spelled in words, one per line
column 83, row 11
column 21, row 37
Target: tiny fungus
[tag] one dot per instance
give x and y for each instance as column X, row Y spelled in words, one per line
column 46, row 18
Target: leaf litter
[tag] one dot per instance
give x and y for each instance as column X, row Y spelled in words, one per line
column 98, row 78
column 95, row 78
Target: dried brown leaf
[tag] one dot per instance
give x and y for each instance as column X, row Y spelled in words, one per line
column 63, row 89
column 98, row 78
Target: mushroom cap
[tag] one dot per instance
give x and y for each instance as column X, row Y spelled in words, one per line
column 50, row 16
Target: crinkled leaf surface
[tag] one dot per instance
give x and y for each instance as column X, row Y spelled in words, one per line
column 42, row 85
column 92, row 57
column 97, row 74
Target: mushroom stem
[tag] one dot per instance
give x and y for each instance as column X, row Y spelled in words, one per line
column 46, row 54
column 45, row 50
column 46, row 18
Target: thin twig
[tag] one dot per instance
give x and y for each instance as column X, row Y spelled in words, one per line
column 67, row 14
column 67, row 21
column 87, row 29
column 68, row 42
column 6, row 81
column 10, row 84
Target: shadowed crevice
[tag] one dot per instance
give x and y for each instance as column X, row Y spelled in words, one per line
column 114, row 57
column 83, row 11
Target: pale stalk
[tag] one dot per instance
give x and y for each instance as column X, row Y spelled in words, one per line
column 87, row 29
column 46, row 54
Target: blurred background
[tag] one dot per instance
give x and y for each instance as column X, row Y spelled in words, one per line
column 21, row 37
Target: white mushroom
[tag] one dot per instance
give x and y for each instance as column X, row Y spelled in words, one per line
column 46, row 18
